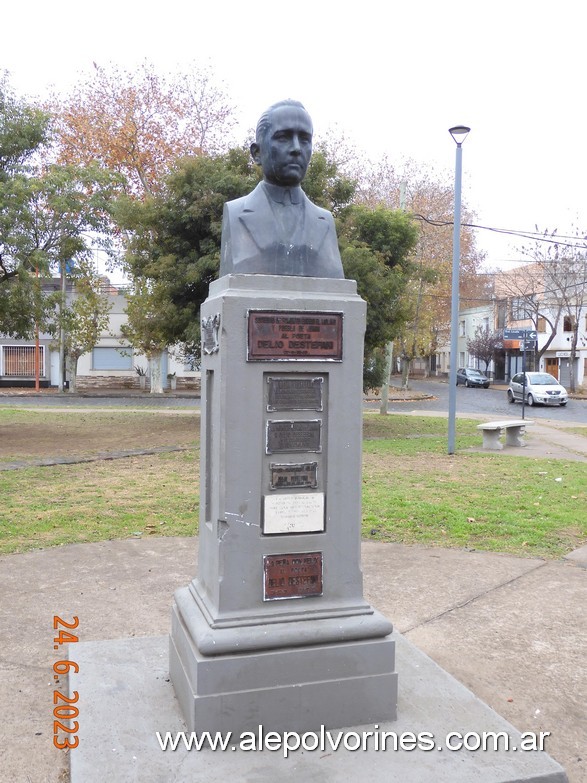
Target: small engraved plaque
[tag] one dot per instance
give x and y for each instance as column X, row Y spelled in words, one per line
column 295, row 394
column 298, row 475
column 299, row 513
column 292, row 575
column 278, row 334
column 288, row 436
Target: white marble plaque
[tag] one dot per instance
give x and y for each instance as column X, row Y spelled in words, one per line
column 299, row 513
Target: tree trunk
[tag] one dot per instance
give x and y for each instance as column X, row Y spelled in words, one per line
column 155, row 373
column 72, row 373
column 386, row 378
column 574, row 341
column 405, row 372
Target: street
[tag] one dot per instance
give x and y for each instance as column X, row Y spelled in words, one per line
column 491, row 403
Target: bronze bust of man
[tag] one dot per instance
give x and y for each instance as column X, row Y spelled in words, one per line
column 276, row 229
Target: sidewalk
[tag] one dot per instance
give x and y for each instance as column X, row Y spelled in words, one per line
column 510, row 629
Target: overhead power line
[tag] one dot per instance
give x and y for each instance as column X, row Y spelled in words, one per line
column 536, row 236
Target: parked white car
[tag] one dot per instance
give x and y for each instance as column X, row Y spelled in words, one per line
column 541, row 387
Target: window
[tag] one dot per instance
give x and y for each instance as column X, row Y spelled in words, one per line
column 461, row 328
column 18, row 361
column 541, row 325
column 568, row 324
column 522, row 308
column 112, row 359
column 501, row 314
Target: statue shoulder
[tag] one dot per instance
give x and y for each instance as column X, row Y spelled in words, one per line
column 320, row 212
column 238, row 204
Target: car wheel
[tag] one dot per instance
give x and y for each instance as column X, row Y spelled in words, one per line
column 467, row 384
column 511, row 397
column 530, row 400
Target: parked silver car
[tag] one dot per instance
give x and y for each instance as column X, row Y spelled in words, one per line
column 541, row 387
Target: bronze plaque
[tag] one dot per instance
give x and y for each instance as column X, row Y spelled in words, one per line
column 294, row 394
column 277, row 334
column 298, row 475
column 292, row 576
column 286, row 436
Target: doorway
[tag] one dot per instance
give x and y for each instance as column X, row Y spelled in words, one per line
column 552, row 366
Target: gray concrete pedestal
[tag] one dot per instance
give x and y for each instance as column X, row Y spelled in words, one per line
column 291, row 688
column 274, row 629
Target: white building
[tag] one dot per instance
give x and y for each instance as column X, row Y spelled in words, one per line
column 112, row 364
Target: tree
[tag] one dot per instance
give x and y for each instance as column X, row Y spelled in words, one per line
column 376, row 245
column 145, row 330
column 46, row 214
column 485, row 345
column 139, row 123
column 551, row 290
column 85, row 318
column 174, row 245
column 23, row 129
column 429, row 200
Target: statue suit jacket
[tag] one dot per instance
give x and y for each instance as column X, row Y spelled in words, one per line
column 251, row 243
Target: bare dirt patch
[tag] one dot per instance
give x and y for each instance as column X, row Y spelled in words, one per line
column 37, row 435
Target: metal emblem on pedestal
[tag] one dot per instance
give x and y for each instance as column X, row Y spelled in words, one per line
column 210, row 330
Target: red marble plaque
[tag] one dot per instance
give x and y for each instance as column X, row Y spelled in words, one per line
column 292, row 576
column 278, row 335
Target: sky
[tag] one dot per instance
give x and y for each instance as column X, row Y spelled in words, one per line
column 392, row 76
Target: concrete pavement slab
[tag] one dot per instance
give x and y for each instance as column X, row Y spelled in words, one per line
column 413, row 584
column 523, row 649
column 451, row 603
column 579, row 556
column 125, row 699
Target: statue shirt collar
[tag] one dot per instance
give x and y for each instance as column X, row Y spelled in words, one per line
column 278, row 193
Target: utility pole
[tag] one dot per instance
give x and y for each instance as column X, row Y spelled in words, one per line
column 61, row 327
column 389, row 346
column 37, row 346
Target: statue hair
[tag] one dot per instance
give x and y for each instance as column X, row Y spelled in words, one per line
column 265, row 119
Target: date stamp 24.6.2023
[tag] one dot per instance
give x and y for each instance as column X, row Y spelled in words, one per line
column 65, row 711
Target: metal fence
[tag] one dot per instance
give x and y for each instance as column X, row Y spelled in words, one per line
column 18, row 361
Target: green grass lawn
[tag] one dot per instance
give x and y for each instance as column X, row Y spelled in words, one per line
column 413, row 492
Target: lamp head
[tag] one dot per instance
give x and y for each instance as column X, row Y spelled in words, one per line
column 459, row 133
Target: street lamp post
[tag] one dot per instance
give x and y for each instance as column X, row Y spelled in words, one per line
column 459, row 134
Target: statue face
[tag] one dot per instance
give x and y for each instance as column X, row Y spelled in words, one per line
column 284, row 152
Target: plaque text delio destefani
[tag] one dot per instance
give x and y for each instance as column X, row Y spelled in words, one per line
column 279, row 335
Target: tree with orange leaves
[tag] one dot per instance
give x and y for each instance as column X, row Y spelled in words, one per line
column 139, row 123
column 428, row 199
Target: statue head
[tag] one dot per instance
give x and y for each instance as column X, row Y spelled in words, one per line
column 283, row 143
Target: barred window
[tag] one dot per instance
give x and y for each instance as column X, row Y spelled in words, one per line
column 18, row 361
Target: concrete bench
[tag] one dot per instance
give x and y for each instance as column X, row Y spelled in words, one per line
column 514, row 429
